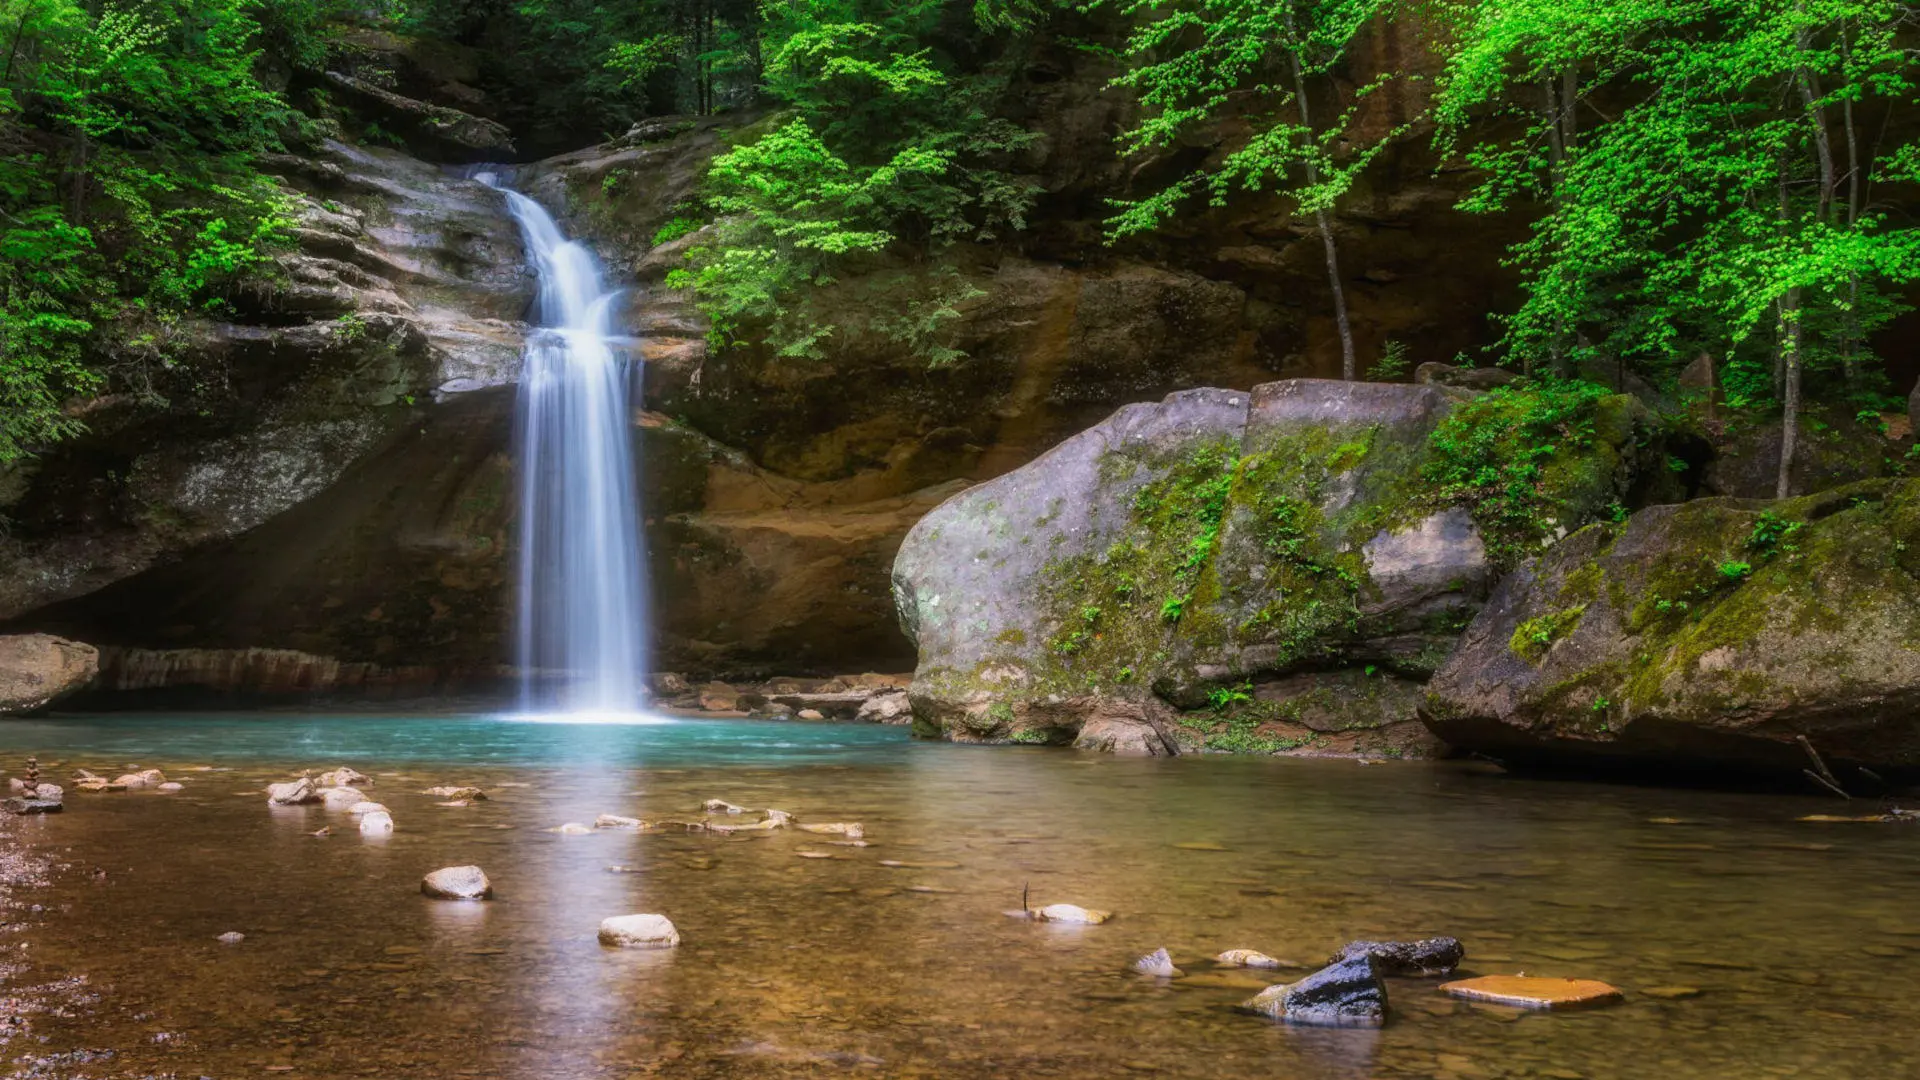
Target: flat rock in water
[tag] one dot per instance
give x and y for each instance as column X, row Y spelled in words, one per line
column 1348, row 993
column 1533, row 992
column 639, row 932
column 1070, row 913
column 571, row 828
column 853, row 830
column 1158, row 963
column 451, row 792
column 360, row 808
column 1248, row 958
column 339, row 798
column 615, row 821
column 22, row 805
column 457, row 883
column 1430, row 956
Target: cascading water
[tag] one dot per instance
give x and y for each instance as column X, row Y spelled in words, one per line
column 582, row 645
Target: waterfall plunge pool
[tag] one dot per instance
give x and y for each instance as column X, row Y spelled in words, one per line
column 1796, row 936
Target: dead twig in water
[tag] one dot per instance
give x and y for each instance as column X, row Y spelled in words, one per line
column 1820, row 774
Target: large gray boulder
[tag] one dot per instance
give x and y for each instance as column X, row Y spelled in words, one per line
column 1194, row 546
column 1708, row 634
column 37, row 670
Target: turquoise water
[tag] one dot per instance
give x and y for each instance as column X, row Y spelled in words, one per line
column 480, row 740
column 1795, row 939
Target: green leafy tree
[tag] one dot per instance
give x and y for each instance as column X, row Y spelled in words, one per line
column 1197, row 59
column 1706, row 208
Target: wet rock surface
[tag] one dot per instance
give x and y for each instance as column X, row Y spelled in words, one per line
column 1429, row 956
column 1348, row 993
column 1712, row 633
column 457, row 883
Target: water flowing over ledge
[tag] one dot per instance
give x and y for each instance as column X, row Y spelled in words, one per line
column 582, row 585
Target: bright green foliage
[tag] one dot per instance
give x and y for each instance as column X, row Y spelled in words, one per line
column 1721, row 202
column 127, row 193
column 1197, row 56
column 889, row 153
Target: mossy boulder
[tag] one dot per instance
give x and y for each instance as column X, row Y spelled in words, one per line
column 1710, row 634
column 1187, row 547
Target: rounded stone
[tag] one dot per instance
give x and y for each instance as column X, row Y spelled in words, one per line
column 457, row 883
column 639, row 932
column 378, row 823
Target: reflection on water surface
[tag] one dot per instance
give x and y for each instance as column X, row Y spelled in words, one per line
column 1798, row 937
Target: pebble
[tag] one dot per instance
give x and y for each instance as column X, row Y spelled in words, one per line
column 231, row 937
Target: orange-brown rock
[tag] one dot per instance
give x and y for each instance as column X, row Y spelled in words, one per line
column 1533, row 992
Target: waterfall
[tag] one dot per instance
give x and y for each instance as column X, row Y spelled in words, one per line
column 581, row 636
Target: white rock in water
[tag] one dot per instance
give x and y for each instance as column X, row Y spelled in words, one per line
column 143, row 778
column 721, row 806
column 615, row 821
column 339, row 798
column 231, row 937
column 1248, row 958
column 1158, row 963
column 457, row 883
column 360, row 808
column 572, row 828
column 1072, row 913
column 639, row 932
column 344, row 777
column 291, row 794
column 170, row 787
column 812, row 714
column 378, row 823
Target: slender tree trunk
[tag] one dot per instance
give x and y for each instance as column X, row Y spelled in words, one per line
column 1790, row 406
column 1562, row 128
column 13, row 49
column 1349, row 368
column 1848, row 362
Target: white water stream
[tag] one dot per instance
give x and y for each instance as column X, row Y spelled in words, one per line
column 581, row 639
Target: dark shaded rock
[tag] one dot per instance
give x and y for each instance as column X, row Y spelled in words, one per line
column 1834, row 447
column 24, row 805
column 1430, row 956
column 1347, row 993
column 37, row 670
column 1708, row 634
column 1434, row 373
column 1200, row 542
column 435, row 129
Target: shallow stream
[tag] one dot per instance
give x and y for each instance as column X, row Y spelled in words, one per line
column 1799, row 938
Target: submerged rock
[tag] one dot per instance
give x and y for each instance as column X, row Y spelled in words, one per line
column 615, row 821
column 457, row 883
column 721, row 806
column 1530, row 992
column 1430, row 956
column 377, row 823
column 293, row 793
column 1069, row 913
column 340, row 798
column 1713, row 633
column 639, row 932
column 343, row 777
column 1248, row 958
column 470, row 794
column 852, row 830
column 1158, row 963
column 37, row 670
column 143, row 778
column 572, row 828
column 361, row 809
column 1195, row 543
column 1346, row 994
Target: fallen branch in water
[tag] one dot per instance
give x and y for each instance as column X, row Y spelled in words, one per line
column 1823, row 776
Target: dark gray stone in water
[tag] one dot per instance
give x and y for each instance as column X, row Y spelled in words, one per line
column 1348, row 993
column 1430, row 956
column 19, row 805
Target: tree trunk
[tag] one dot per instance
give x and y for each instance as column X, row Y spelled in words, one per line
column 1790, row 407
column 1323, row 219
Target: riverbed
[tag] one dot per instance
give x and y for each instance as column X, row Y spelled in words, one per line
column 1747, row 943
